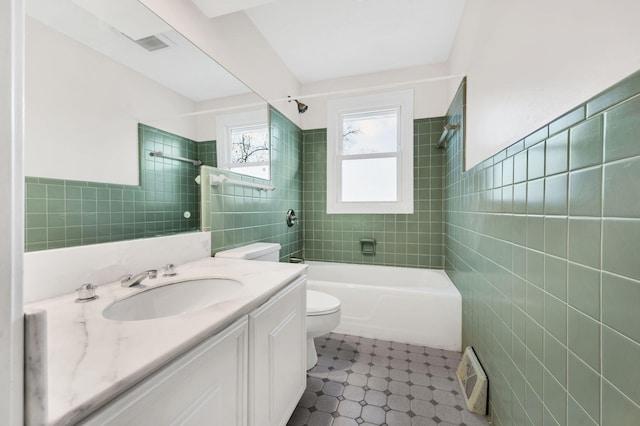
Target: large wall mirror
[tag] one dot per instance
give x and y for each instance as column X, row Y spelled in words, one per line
column 116, row 103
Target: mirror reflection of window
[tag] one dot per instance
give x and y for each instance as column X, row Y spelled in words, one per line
column 250, row 150
column 243, row 143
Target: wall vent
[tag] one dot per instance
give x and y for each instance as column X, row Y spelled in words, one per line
column 473, row 382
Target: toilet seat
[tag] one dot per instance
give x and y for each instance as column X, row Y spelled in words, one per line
column 319, row 303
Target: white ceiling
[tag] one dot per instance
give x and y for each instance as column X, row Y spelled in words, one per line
column 213, row 8
column 316, row 39
column 327, row 39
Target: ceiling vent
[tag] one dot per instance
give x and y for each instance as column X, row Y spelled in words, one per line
column 151, row 43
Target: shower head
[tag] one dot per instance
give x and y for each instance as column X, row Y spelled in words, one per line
column 302, row 108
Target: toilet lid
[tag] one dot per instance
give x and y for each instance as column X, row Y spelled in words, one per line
column 319, row 303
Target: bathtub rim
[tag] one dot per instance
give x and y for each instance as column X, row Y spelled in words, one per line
column 444, row 284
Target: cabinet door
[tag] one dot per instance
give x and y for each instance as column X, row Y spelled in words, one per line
column 277, row 356
column 206, row 386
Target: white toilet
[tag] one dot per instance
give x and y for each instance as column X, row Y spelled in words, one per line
column 323, row 310
column 323, row 315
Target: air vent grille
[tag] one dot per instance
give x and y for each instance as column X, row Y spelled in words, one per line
column 151, row 43
column 473, row 382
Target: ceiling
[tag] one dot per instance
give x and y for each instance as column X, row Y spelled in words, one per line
column 316, row 39
column 328, row 39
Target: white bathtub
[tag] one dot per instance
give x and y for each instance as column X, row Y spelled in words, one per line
column 407, row 305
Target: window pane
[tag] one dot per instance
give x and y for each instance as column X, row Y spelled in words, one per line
column 372, row 179
column 249, row 144
column 370, row 132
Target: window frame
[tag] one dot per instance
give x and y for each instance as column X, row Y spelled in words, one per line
column 402, row 101
column 225, row 124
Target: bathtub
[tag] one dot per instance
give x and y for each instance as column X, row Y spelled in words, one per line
column 406, row 305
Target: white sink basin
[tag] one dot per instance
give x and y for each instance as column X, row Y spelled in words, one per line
column 172, row 299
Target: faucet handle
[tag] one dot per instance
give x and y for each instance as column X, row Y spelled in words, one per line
column 169, row 270
column 125, row 278
column 86, row 293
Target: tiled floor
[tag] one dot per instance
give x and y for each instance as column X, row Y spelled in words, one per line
column 366, row 382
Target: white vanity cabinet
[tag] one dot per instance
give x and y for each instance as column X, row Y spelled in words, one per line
column 206, row 386
column 277, row 356
column 251, row 373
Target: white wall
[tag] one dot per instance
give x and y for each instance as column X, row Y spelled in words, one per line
column 529, row 62
column 430, row 98
column 11, row 211
column 236, row 44
column 83, row 109
column 208, row 110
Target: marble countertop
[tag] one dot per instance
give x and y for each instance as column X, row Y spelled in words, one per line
column 88, row 359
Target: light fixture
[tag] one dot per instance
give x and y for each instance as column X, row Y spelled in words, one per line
column 302, row 108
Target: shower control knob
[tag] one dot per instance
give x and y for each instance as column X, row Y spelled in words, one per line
column 291, row 218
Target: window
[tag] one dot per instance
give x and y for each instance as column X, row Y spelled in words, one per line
column 250, row 150
column 243, row 143
column 370, row 154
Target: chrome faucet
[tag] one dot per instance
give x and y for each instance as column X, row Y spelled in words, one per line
column 131, row 280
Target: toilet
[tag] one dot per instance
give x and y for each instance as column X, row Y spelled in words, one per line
column 323, row 315
column 323, row 310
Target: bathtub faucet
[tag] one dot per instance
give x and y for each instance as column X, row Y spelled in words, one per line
column 131, row 280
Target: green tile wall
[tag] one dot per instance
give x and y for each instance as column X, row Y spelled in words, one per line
column 414, row 240
column 238, row 215
column 206, row 152
column 65, row 213
column 546, row 259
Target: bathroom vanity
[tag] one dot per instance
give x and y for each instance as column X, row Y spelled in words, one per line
column 238, row 361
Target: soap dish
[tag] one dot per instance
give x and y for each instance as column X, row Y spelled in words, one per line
column 368, row 246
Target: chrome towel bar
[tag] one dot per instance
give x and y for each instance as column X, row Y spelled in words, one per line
column 196, row 163
column 216, row 180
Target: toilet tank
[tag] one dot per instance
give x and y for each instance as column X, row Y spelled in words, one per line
column 268, row 252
